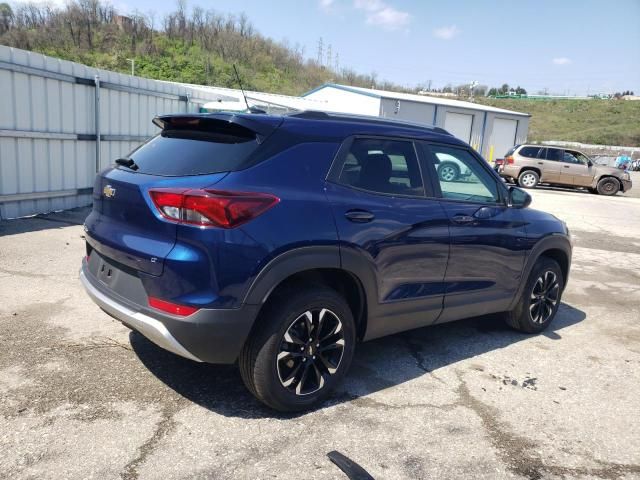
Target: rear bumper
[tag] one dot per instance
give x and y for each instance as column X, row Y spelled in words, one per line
column 212, row 336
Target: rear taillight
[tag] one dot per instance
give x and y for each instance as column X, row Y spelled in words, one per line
column 211, row 208
column 172, row 308
column 508, row 160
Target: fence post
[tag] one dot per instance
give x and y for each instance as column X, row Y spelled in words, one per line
column 97, row 113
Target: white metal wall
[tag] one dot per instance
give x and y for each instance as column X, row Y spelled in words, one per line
column 48, row 128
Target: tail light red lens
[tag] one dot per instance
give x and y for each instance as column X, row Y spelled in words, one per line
column 508, row 160
column 172, row 308
column 211, row 208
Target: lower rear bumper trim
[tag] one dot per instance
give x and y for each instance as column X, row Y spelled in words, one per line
column 151, row 328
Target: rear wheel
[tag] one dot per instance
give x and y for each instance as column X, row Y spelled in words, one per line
column 528, row 179
column 301, row 350
column 448, row 172
column 608, row 186
column 540, row 299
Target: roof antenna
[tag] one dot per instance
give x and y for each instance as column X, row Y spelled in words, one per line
column 241, row 88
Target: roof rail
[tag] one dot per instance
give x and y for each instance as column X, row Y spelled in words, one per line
column 311, row 114
column 320, row 115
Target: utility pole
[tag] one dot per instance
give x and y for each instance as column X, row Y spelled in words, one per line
column 329, row 56
column 320, row 52
column 337, row 62
column 133, row 66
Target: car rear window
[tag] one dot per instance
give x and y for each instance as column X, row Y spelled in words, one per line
column 182, row 151
column 529, row 152
column 511, row 150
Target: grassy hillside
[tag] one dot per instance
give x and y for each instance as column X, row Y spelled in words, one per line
column 604, row 122
column 188, row 45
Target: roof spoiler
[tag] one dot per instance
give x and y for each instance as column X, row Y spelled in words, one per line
column 261, row 125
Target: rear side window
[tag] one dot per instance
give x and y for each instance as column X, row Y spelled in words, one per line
column 177, row 152
column 529, row 152
column 382, row 166
column 554, row 154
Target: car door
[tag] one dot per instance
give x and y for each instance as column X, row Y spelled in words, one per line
column 549, row 160
column 576, row 169
column 488, row 238
column 393, row 234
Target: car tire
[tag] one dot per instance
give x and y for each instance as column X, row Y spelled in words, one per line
column 540, row 298
column 608, row 186
column 448, row 172
column 285, row 378
column 528, row 179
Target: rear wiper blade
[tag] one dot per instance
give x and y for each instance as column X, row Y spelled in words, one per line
column 127, row 162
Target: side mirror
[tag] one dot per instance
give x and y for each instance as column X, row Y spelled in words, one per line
column 518, row 198
column 590, row 163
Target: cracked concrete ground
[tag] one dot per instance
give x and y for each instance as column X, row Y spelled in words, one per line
column 82, row 397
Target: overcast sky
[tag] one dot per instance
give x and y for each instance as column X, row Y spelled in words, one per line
column 574, row 46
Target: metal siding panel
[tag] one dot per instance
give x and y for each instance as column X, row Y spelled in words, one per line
column 25, row 166
column 22, row 94
column 38, row 103
column 54, row 110
column 69, row 178
column 41, row 165
column 56, row 165
column 67, row 107
column 8, row 166
column 7, row 100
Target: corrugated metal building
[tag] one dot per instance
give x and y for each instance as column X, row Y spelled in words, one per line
column 491, row 131
column 59, row 125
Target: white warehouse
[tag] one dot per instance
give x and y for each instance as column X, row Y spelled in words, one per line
column 491, row 131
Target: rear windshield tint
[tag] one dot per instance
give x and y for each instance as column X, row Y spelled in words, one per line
column 194, row 152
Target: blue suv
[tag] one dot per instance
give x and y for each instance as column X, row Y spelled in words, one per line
column 280, row 242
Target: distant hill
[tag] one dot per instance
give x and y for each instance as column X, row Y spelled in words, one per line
column 193, row 46
column 200, row 46
column 604, row 122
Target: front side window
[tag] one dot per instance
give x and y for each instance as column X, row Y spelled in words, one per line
column 382, row 166
column 472, row 183
column 570, row 157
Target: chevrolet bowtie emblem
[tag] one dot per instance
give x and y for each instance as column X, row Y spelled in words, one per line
column 109, row 191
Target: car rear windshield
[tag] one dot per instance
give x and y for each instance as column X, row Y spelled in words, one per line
column 184, row 151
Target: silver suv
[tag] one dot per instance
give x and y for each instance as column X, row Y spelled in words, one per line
column 529, row 165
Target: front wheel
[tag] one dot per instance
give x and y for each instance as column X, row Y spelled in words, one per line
column 540, row 299
column 300, row 350
column 608, row 186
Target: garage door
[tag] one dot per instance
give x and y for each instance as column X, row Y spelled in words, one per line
column 459, row 125
column 503, row 136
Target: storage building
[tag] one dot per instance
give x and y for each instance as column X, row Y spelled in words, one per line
column 491, row 131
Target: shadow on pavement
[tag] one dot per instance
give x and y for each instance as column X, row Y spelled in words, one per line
column 410, row 354
column 48, row 221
